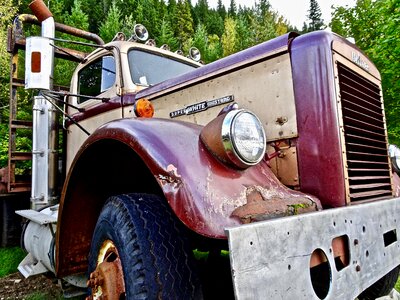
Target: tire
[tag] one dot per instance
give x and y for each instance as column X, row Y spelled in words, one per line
column 155, row 258
column 382, row 287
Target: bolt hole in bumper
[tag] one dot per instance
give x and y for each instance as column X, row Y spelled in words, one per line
column 284, row 258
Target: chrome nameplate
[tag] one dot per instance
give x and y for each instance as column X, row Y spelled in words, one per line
column 357, row 59
column 202, row 106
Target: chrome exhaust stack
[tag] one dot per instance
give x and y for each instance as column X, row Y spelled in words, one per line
column 39, row 233
column 39, row 68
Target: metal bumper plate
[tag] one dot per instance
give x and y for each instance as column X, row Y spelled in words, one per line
column 271, row 259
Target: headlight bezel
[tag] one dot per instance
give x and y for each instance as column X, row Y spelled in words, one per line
column 230, row 145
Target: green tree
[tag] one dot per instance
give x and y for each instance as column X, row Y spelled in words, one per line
column 7, row 11
column 184, row 21
column 221, row 9
column 201, row 11
column 315, row 18
column 245, row 37
column 167, row 36
column 375, row 27
column 229, row 38
column 96, row 12
column 112, row 24
column 76, row 18
column 232, row 9
column 215, row 24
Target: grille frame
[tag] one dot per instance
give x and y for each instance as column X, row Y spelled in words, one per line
column 363, row 127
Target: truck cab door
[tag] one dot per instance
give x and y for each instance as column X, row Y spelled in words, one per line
column 95, row 87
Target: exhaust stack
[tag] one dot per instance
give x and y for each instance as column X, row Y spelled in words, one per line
column 39, row 75
column 40, row 51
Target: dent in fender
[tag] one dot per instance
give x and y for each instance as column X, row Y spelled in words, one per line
column 201, row 191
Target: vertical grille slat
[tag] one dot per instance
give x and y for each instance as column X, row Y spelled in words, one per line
column 368, row 169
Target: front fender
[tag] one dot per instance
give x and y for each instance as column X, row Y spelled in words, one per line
column 202, row 191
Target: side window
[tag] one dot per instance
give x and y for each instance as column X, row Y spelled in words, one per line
column 96, row 78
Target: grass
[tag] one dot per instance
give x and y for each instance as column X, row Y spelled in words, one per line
column 9, row 260
column 38, row 296
column 397, row 286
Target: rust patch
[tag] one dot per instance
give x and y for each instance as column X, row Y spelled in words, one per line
column 107, row 281
column 173, row 178
column 171, row 169
column 263, row 206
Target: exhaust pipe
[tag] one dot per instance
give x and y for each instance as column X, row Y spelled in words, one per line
column 38, row 236
column 39, row 67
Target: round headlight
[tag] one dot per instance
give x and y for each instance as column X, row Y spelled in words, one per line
column 243, row 138
column 394, row 153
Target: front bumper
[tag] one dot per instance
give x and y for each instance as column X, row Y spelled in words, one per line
column 271, row 259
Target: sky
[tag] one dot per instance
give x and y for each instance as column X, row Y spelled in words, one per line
column 294, row 11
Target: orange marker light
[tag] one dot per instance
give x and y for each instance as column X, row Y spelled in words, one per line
column 144, row 108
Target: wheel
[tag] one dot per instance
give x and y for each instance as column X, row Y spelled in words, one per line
column 138, row 251
column 382, row 287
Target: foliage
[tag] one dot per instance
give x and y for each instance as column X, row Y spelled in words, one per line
column 7, row 11
column 9, row 260
column 314, row 17
column 112, row 24
column 375, row 27
column 229, row 38
column 184, row 22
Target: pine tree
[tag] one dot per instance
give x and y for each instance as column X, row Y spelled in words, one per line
column 184, row 21
column 264, row 6
column 201, row 11
column 166, row 36
column 7, row 12
column 214, row 23
column 314, row 16
column 96, row 13
column 232, row 9
column 221, row 9
column 63, row 69
column 112, row 24
column 229, row 38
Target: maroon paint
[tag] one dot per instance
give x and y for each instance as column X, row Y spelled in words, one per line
column 202, row 191
column 318, row 147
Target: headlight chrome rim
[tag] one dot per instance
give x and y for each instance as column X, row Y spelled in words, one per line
column 228, row 140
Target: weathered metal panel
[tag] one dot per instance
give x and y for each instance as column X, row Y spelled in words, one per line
column 319, row 149
column 271, row 259
column 265, row 88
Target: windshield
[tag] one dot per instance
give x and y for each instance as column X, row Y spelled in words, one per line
column 148, row 69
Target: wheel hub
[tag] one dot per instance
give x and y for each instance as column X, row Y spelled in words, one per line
column 107, row 280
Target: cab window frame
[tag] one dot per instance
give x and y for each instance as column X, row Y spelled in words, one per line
column 102, row 67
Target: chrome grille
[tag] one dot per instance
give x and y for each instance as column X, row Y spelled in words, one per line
column 365, row 137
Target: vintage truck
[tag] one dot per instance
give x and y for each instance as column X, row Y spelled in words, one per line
column 272, row 163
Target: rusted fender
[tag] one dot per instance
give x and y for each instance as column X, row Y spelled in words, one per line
column 203, row 192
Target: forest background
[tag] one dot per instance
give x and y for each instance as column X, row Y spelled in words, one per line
column 216, row 32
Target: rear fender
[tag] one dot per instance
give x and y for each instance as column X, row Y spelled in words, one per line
column 161, row 157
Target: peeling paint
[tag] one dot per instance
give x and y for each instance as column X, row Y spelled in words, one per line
column 173, row 170
column 265, row 204
column 163, row 179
